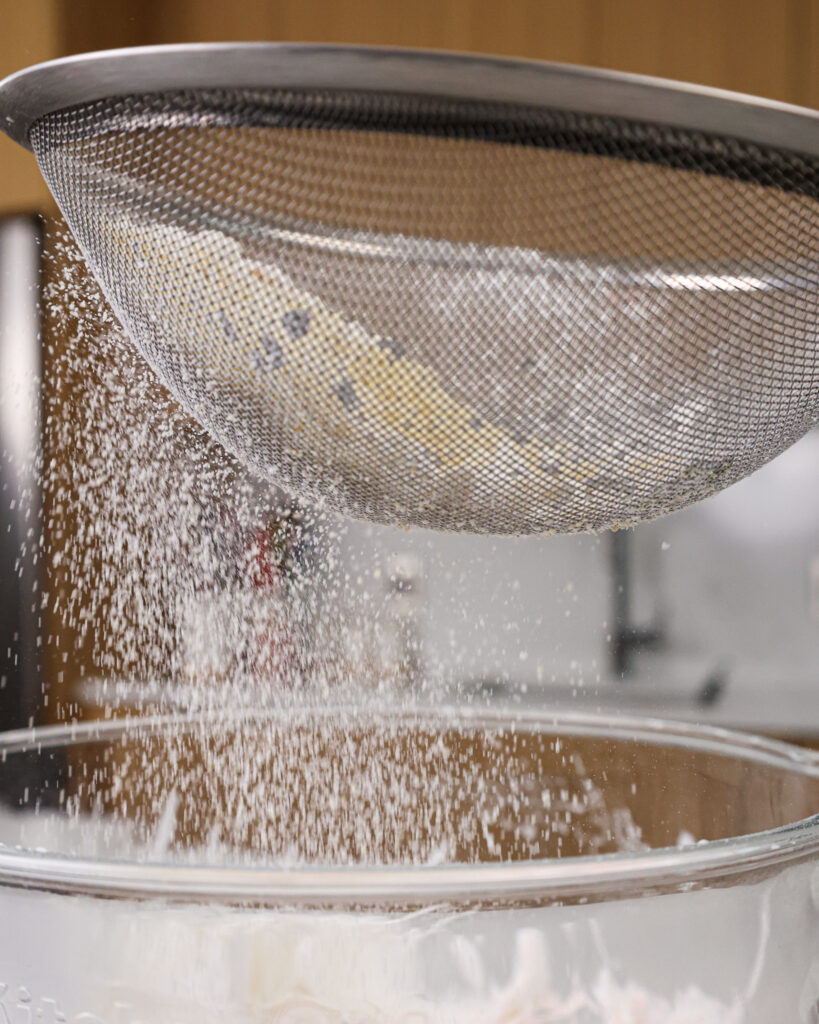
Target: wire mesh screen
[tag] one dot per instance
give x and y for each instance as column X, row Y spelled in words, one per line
column 457, row 315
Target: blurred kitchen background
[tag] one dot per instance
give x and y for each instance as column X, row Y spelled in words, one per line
column 711, row 614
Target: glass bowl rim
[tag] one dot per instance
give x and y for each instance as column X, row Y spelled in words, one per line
column 584, row 878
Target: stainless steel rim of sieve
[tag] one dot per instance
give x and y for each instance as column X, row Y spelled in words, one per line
column 450, row 434
column 29, row 94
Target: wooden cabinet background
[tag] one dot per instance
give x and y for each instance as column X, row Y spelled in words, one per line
column 767, row 47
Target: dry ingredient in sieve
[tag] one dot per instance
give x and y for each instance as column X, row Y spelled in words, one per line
column 308, row 395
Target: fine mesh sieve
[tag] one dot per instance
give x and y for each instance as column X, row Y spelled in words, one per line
column 453, row 292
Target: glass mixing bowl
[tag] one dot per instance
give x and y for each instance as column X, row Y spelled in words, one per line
column 426, row 865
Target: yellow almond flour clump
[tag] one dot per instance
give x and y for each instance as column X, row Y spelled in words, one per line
column 250, row 314
column 291, row 380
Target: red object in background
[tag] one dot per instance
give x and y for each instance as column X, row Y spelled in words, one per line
column 264, row 561
column 274, row 644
